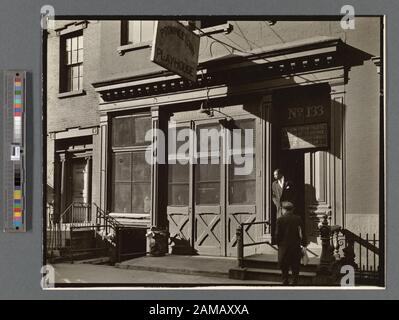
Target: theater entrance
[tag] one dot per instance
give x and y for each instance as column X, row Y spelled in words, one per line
column 292, row 164
column 209, row 196
column 301, row 149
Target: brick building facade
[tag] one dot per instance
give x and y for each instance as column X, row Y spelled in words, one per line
column 103, row 93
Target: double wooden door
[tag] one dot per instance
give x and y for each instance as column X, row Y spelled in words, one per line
column 218, row 187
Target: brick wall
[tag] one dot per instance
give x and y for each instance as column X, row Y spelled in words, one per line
column 78, row 111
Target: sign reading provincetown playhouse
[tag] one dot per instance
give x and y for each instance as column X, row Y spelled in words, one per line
column 176, row 48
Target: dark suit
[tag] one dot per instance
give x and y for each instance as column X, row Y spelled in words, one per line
column 289, row 240
column 287, row 193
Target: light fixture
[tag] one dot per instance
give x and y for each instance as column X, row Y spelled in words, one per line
column 206, row 109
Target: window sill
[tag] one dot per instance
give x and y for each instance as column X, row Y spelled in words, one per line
column 132, row 215
column 75, row 93
column 226, row 28
column 131, row 47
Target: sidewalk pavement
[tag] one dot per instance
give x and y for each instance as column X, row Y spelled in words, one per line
column 69, row 274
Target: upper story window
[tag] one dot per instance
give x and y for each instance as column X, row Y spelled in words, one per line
column 71, row 73
column 138, row 34
column 136, row 31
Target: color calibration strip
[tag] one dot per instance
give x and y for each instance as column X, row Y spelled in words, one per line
column 16, row 152
column 17, row 109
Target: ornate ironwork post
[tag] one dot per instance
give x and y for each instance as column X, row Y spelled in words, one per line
column 327, row 256
column 349, row 251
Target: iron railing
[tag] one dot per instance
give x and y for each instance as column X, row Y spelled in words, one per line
column 241, row 243
column 52, row 236
column 342, row 247
column 361, row 251
column 77, row 214
column 58, row 229
column 107, row 233
column 106, row 226
column 339, row 245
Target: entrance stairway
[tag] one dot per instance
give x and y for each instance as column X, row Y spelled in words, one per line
column 77, row 235
column 340, row 249
column 265, row 267
column 77, row 245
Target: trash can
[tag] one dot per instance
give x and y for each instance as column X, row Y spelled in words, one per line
column 158, row 240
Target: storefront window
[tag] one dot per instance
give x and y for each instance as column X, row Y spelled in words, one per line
column 131, row 178
column 242, row 183
column 179, row 169
column 207, row 169
column 130, row 131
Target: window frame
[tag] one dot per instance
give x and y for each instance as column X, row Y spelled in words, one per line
column 127, row 150
column 124, row 38
column 65, row 84
column 176, row 157
column 232, row 178
column 224, row 27
column 124, row 47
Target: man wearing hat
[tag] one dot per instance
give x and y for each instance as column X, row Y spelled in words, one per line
column 282, row 190
column 289, row 237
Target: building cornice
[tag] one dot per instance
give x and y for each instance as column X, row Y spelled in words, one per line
column 282, row 60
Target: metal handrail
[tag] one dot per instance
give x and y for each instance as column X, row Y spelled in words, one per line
column 241, row 245
column 100, row 214
column 240, row 240
column 343, row 242
column 84, row 215
column 364, row 243
column 59, row 229
column 255, row 222
column 66, row 210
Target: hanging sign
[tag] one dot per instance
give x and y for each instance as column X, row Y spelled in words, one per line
column 176, row 48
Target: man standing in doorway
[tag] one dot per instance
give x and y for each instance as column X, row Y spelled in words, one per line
column 283, row 190
column 289, row 237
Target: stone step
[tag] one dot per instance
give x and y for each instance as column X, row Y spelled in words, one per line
column 177, row 270
column 95, row 261
column 81, row 255
column 182, row 264
column 305, row 278
column 269, row 261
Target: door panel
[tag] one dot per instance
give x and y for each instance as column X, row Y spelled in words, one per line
column 209, row 222
column 179, row 222
column 79, row 190
column 209, row 198
column 241, row 184
column 209, row 230
column 180, row 196
column 235, row 216
column 79, row 180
